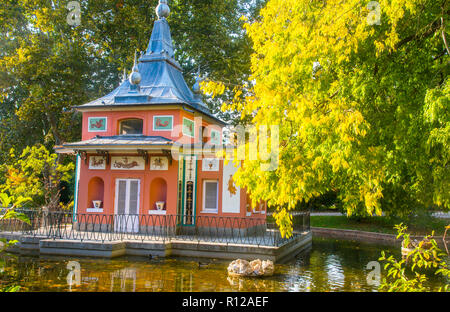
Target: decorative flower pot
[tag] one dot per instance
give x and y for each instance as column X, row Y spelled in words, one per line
column 97, row 204
column 160, row 205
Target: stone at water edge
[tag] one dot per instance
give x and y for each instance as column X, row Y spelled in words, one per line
column 253, row 268
column 268, row 267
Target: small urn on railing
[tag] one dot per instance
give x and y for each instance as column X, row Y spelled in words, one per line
column 97, row 204
column 160, row 205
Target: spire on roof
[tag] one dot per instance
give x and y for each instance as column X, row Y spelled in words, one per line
column 135, row 77
column 156, row 77
column 161, row 40
column 124, row 77
column 135, row 68
column 196, row 87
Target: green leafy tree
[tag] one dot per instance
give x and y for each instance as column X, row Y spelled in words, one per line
column 9, row 213
column 437, row 146
column 37, row 174
column 48, row 66
column 361, row 98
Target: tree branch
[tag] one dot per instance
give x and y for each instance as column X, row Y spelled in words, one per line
column 433, row 27
column 440, row 55
column 443, row 35
column 443, row 239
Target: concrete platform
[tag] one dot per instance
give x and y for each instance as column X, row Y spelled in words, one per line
column 77, row 248
column 111, row 249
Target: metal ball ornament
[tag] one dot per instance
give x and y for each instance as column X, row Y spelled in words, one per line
column 163, row 10
column 135, row 78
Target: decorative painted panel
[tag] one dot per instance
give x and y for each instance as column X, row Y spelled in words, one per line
column 215, row 137
column 210, row 164
column 159, row 163
column 97, row 163
column 162, row 123
column 97, row 124
column 127, row 163
column 188, row 127
column 231, row 199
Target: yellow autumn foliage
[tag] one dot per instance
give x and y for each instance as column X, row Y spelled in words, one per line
column 346, row 83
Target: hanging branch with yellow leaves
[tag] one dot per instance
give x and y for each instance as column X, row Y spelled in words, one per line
column 362, row 106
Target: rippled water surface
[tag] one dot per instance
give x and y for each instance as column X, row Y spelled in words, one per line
column 330, row 265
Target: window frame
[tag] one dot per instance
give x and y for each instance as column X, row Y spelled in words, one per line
column 126, row 119
column 209, row 210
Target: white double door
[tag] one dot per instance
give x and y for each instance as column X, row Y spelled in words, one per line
column 127, row 205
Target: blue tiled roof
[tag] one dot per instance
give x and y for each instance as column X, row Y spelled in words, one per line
column 162, row 80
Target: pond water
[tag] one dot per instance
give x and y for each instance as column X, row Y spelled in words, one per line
column 330, row 265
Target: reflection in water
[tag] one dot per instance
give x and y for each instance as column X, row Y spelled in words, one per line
column 329, row 266
column 125, row 277
column 335, row 272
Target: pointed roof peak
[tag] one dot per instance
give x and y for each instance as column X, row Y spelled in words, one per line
column 124, row 76
column 135, row 76
column 135, row 67
column 160, row 45
column 198, row 79
column 161, row 39
column 156, row 77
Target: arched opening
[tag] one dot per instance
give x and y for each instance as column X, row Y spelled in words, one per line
column 158, row 194
column 131, row 126
column 96, row 189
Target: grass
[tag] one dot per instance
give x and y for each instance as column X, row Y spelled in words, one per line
column 419, row 226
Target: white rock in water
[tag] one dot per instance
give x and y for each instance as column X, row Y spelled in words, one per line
column 268, row 267
column 253, row 268
column 239, row 266
column 256, row 266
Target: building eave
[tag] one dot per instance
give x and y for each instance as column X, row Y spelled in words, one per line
column 141, row 106
column 178, row 148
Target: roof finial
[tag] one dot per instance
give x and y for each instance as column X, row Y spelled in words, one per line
column 162, row 10
column 196, row 87
column 135, row 77
column 124, row 77
column 135, row 68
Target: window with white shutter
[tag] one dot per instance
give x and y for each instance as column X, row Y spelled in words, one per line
column 210, row 195
column 122, row 197
column 134, row 189
column 127, row 206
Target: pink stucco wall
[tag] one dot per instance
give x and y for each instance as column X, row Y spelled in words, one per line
column 147, row 176
column 114, row 117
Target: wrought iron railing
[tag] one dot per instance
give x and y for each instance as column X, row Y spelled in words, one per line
column 108, row 227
